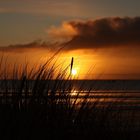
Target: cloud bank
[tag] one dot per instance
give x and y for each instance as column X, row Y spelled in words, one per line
column 21, row 48
column 105, row 32
column 90, row 34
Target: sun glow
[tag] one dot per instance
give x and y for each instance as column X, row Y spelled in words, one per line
column 74, row 72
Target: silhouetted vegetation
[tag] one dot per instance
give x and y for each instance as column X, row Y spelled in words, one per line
column 41, row 102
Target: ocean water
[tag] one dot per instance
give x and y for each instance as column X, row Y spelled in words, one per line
column 120, row 97
column 125, row 93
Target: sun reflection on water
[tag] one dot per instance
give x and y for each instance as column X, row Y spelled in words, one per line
column 74, row 93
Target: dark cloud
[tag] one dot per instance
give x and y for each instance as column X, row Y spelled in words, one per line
column 89, row 34
column 105, row 32
column 20, row 48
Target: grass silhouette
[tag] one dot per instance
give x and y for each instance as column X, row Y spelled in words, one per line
column 39, row 103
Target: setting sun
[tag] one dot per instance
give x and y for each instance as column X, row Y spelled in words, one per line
column 74, row 71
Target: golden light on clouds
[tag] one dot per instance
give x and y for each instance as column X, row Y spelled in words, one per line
column 63, row 33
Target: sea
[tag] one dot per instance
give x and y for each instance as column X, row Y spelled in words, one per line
column 120, row 96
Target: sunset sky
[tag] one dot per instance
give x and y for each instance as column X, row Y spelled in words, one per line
column 103, row 36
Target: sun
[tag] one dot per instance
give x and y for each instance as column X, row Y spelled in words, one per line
column 74, row 72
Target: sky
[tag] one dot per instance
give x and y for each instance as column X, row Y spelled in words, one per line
column 103, row 34
column 22, row 21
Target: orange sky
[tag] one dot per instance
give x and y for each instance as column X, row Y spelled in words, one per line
column 105, row 48
column 101, row 63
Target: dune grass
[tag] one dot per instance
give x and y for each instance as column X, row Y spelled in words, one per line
column 39, row 102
